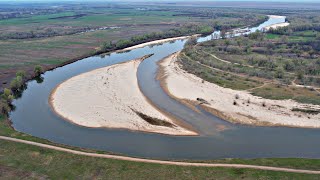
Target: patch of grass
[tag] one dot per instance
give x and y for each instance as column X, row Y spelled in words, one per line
column 224, row 79
column 273, row 92
column 154, row 121
column 272, row 36
column 308, row 111
column 302, row 95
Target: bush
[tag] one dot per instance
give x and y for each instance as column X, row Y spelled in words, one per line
column 4, row 108
column 37, row 70
column 21, row 73
column 7, row 95
column 16, row 83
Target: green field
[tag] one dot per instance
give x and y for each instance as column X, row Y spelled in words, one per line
column 25, row 161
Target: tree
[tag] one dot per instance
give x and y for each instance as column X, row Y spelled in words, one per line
column 289, row 65
column 239, row 42
column 223, row 34
column 318, row 36
column 205, row 30
column 21, row 73
column 248, row 49
column 284, row 39
column 7, row 95
column 191, row 42
column 279, row 73
column 123, row 43
column 16, row 83
column 106, row 46
column 37, row 70
column 4, row 108
column 227, row 43
column 300, row 75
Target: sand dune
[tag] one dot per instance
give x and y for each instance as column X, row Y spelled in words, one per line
column 110, row 97
column 182, row 85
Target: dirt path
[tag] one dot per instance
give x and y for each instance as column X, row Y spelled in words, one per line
column 268, row 168
column 303, row 86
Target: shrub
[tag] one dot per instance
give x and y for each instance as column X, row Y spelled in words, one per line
column 21, row 73
column 37, row 70
column 16, row 83
column 7, row 95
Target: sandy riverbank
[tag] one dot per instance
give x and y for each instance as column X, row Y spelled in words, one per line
column 184, row 86
column 110, row 97
column 275, row 16
column 155, row 42
column 275, row 26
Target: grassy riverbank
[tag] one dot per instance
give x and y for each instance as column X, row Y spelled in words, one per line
column 281, row 64
column 15, row 163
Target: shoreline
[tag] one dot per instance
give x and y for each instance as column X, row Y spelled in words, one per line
column 278, row 25
column 155, row 42
column 120, row 105
column 174, row 81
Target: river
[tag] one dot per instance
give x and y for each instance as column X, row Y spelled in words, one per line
column 34, row 116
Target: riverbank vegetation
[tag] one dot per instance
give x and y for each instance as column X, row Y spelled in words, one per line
column 283, row 63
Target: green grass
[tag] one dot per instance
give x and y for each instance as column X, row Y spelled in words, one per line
column 296, row 37
column 302, row 95
column 272, row 36
column 35, row 19
column 33, row 161
column 223, row 79
column 308, row 33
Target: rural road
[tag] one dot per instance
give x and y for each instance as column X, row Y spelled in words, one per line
column 158, row 161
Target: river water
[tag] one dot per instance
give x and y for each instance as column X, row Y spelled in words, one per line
column 34, row 116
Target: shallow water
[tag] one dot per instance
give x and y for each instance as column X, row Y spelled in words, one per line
column 34, row 116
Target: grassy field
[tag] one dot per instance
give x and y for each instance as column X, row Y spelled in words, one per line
column 15, row 163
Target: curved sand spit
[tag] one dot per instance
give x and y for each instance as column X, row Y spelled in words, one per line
column 184, row 86
column 110, row 97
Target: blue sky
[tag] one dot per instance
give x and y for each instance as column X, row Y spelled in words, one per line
column 295, row 1
column 161, row 0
